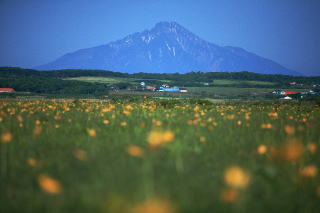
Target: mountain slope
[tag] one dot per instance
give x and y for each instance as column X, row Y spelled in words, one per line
column 167, row 48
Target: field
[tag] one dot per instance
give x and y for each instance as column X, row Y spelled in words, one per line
column 218, row 89
column 217, row 82
column 106, row 80
column 111, row 80
column 230, row 91
column 222, row 82
column 149, row 155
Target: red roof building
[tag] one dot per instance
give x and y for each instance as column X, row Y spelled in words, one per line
column 6, row 90
column 290, row 92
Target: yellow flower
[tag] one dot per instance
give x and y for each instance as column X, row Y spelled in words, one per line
column 57, row 117
column 203, row 139
column 312, row 148
column 290, row 152
column 289, row 129
column 128, row 107
column 37, row 130
column 247, row 116
column 49, row 184
column 156, row 123
column 229, row 195
column 135, row 151
column 154, row 206
column 236, row 177
column 309, row 171
column 168, row 136
column 142, row 124
column 157, row 138
column 273, row 114
column 92, row 133
column 123, row 123
column 231, row 117
column 266, row 126
column 31, row 162
column 126, row 112
column 19, row 118
column 106, row 122
column 6, row 137
column 80, row 154
column 262, row 149
column 196, row 115
column 105, row 110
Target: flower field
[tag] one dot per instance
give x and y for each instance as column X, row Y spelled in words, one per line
column 159, row 156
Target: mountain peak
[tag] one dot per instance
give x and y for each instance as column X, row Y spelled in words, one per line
column 168, row 26
column 166, row 48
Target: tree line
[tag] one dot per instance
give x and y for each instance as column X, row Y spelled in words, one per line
column 52, row 82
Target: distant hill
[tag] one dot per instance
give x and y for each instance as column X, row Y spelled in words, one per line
column 166, row 48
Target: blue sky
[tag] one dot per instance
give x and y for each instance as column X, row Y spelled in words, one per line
column 34, row 32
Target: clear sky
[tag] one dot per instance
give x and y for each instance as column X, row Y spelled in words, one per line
column 34, row 32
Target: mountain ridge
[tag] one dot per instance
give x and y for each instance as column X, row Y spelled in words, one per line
column 166, row 48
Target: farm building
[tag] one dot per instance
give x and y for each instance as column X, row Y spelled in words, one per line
column 183, row 90
column 280, row 92
column 170, row 89
column 286, row 98
column 7, row 90
column 151, row 88
column 289, row 92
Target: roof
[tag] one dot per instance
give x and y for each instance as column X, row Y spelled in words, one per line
column 6, row 89
column 290, row 92
column 287, row 97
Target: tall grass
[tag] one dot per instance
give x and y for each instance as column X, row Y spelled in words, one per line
column 158, row 156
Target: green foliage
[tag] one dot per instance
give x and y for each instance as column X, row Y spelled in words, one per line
column 122, row 85
column 35, row 82
column 97, row 173
column 51, row 81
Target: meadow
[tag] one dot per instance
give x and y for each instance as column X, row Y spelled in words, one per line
column 223, row 82
column 218, row 89
column 112, row 80
column 148, row 155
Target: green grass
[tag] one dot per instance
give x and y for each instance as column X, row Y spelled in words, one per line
column 229, row 91
column 186, row 173
column 238, row 82
column 112, row 80
column 101, row 79
column 234, row 91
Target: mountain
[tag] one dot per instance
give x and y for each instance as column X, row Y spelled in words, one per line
column 166, row 48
